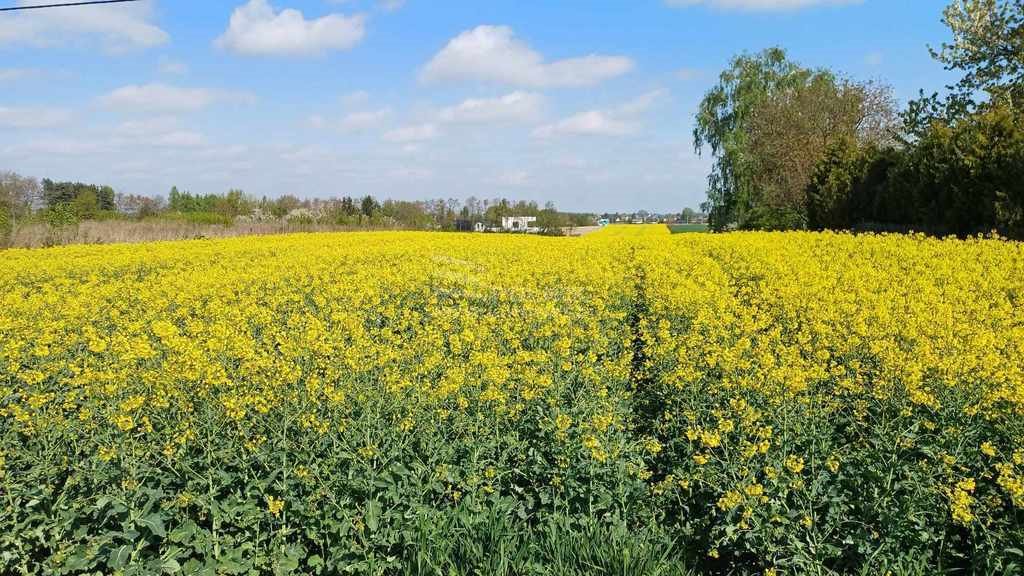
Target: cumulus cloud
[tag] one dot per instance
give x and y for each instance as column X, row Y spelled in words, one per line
column 760, row 5
column 619, row 121
column 514, row 107
column 166, row 98
column 494, row 54
column 117, row 27
column 256, row 29
column 33, row 117
column 412, row 133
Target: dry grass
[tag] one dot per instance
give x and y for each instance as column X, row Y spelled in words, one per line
column 128, row 231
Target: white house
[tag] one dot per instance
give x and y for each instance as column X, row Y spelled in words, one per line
column 517, row 223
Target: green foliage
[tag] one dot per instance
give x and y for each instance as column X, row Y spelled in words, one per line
column 87, row 200
column 829, row 195
column 688, row 228
column 228, row 206
column 987, row 47
column 964, row 177
column 767, row 123
column 207, row 218
column 60, row 215
column 6, row 222
column 722, row 126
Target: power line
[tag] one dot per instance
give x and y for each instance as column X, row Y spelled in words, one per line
column 65, row 4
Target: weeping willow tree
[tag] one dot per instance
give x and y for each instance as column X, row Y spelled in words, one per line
column 722, row 126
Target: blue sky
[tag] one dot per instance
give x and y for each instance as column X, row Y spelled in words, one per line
column 588, row 103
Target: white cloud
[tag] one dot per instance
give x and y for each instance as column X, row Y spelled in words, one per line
column 642, row 103
column 590, row 123
column 412, row 133
column 118, row 27
column 760, row 5
column 57, row 147
column 513, row 178
column 256, row 29
column 618, row 121
column 160, row 131
column 33, row 117
column 412, row 174
column 353, row 121
column 494, row 54
column 178, row 139
column 173, row 67
column 166, row 98
column 357, row 121
column 514, row 107
column 147, row 127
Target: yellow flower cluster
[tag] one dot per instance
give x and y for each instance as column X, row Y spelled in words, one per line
column 798, row 332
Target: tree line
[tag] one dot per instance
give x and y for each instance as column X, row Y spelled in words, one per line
column 799, row 148
column 26, row 200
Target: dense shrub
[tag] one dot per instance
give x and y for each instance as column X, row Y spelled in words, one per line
column 961, row 177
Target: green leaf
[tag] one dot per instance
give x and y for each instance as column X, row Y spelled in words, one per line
column 155, row 524
column 183, row 534
column 372, row 515
column 119, row 556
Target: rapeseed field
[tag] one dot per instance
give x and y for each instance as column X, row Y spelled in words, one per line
column 630, row 402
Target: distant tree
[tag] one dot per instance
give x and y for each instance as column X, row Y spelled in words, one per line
column 474, row 207
column 175, row 200
column 688, row 215
column 348, row 206
column 87, row 201
column 18, row 196
column 86, row 205
column 233, row 204
column 57, row 193
column 551, row 220
column 369, row 206
column 284, row 205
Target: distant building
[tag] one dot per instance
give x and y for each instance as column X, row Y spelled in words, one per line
column 518, row 223
column 479, row 227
